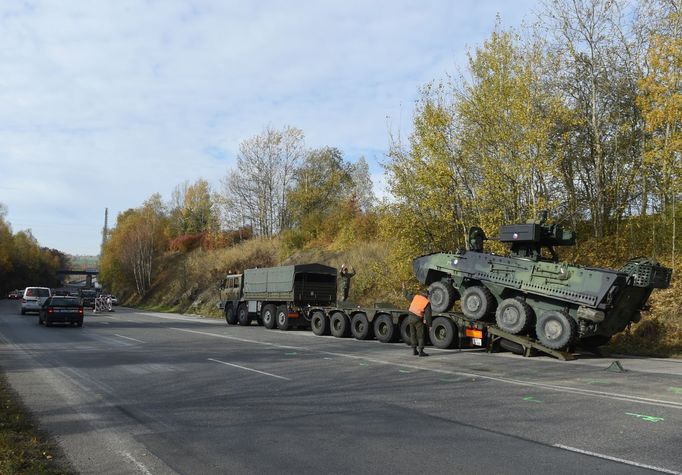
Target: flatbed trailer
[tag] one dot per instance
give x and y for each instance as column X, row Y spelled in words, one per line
column 448, row 330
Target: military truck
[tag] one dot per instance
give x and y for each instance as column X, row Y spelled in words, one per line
column 277, row 296
column 530, row 293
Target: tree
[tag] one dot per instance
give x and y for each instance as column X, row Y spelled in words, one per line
column 661, row 104
column 255, row 193
column 198, row 209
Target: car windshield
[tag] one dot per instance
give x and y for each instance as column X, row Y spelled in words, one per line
column 35, row 292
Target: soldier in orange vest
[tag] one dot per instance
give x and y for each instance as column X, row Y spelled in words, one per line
column 419, row 317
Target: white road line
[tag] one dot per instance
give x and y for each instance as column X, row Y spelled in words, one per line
column 128, row 338
column 516, row 382
column 137, row 463
column 616, row 459
column 249, row 369
column 243, row 340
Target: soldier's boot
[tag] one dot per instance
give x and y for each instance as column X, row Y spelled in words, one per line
column 415, row 352
column 421, row 353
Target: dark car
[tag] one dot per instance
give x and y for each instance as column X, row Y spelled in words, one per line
column 61, row 310
column 15, row 294
column 88, row 298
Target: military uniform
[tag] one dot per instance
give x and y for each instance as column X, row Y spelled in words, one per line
column 345, row 282
column 419, row 318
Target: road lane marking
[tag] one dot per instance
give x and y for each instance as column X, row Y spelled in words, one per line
column 137, row 463
column 644, row 417
column 516, row 382
column 616, row 459
column 129, row 338
column 243, row 340
column 249, row 369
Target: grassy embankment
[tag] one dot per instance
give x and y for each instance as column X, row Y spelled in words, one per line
column 187, row 282
column 23, row 449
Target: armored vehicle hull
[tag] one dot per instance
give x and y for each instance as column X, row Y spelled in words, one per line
column 559, row 303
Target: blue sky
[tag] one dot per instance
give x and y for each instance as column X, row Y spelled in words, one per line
column 105, row 102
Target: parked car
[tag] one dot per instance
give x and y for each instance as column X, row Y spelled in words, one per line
column 114, row 300
column 34, row 298
column 15, row 294
column 61, row 310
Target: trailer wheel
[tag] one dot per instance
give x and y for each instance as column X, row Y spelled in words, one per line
column 477, row 302
column 441, row 295
column 443, row 333
column 283, row 318
column 319, row 323
column 360, row 327
column 405, row 334
column 269, row 316
column 556, row 329
column 340, row 326
column 230, row 315
column 384, row 329
column 514, row 315
column 243, row 314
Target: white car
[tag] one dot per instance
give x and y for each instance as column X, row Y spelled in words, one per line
column 33, row 299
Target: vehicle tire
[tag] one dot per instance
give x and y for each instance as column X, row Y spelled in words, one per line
column 243, row 314
column 23, row 312
column 79, row 323
column 442, row 296
column 443, row 333
column 319, row 323
column 477, row 302
column 511, row 346
column 514, row 315
column 269, row 316
column 283, row 318
column 230, row 315
column 384, row 329
column 40, row 319
column 339, row 325
column 48, row 323
column 405, row 331
column 360, row 327
column 556, row 329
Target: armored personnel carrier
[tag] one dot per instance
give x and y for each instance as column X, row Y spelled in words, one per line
column 530, row 293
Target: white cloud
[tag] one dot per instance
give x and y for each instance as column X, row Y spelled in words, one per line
column 105, row 103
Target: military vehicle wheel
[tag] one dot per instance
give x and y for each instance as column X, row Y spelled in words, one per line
column 405, row 331
column 360, row 327
column 319, row 323
column 269, row 316
column 514, row 315
column 230, row 315
column 243, row 314
column 556, row 329
column 511, row 346
column 443, row 333
column 442, row 296
column 477, row 302
column 384, row 329
column 339, row 324
column 283, row 318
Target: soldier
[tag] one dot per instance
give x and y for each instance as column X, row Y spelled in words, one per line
column 419, row 318
column 345, row 281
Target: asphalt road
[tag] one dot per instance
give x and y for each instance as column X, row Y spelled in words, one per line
column 141, row 392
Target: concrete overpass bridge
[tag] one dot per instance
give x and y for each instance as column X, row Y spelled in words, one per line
column 88, row 273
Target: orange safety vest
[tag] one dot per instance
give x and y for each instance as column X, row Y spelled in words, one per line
column 418, row 305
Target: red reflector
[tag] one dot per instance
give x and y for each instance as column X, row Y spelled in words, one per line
column 474, row 333
column 50, row 310
column 293, row 315
column 80, row 310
